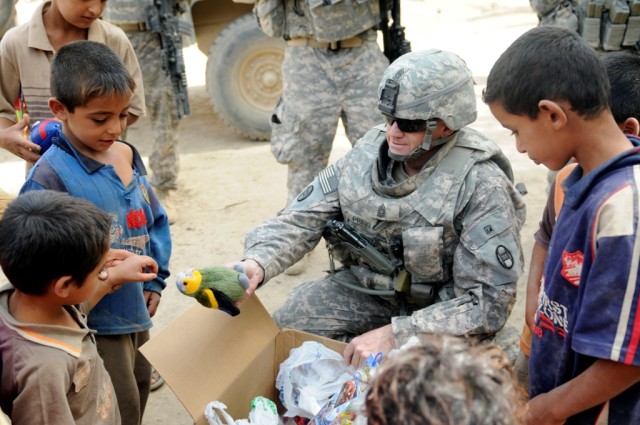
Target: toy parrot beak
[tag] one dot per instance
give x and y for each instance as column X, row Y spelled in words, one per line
column 180, row 282
column 180, row 286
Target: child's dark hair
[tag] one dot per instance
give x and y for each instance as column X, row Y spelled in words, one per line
column 623, row 69
column 444, row 381
column 45, row 235
column 84, row 70
column 552, row 63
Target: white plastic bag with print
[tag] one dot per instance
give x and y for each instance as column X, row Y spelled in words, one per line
column 309, row 377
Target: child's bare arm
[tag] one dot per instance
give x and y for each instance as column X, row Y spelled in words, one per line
column 600, row 382
column 121, row 267
column 536, row 270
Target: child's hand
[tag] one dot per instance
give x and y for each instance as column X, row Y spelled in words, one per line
column 12, row 139
column 152, row 299
column 130, row 268
column 114, row 257
column 537, row 411
column 121, row 267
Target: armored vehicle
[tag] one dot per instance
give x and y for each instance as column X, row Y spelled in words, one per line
column 243, row 65
column 7, row 15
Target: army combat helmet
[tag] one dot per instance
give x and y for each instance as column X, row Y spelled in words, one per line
column 428, row 85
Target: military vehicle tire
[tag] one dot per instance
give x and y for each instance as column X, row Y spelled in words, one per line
column 244, row 77
column 7, row 15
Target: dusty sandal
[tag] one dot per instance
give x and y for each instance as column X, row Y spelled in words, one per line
column 156, row 380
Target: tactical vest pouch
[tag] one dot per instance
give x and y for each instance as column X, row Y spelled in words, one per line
column 333, row 20
column 632, row 34
column 424, row 254
column 270, row 15
column 590, row 31
column 610, row 24
column 612, row 34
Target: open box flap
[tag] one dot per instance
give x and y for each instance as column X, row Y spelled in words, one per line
column 203, row 352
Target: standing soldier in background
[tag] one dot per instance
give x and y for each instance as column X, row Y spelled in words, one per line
column 332, row 65
column 152, row 27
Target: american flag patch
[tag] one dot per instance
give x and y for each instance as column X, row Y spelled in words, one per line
column 328, row 180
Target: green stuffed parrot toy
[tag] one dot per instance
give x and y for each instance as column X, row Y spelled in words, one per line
column 214, row 287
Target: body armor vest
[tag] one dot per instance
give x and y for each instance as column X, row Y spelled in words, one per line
column 424, row 216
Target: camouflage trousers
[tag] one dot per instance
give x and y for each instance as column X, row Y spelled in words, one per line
column 161, row 107
column 326, row 308
column 323, row 307
column 320, row 87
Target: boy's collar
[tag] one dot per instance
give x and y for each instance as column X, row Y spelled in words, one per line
column 37, row 32
column 90, row 164
column 66, row 339
column 38, row 38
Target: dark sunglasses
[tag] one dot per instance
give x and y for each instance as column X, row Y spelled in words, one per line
column 407, row 126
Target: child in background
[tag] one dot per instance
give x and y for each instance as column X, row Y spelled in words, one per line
column 91, row 92
column 552, row 91
column 54, row 249
column 25, row 56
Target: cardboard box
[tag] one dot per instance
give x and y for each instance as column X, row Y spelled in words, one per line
column 206, row 355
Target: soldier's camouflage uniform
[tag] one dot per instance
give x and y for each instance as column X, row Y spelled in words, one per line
column 459, row 220
column 609, row 25
column 158, row 90
column 331, row 68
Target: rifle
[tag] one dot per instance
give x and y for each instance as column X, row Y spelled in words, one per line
column 162, row 18
column 337, row 232
column 395, row 45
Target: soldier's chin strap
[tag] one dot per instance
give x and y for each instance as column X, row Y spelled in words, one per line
column 427, row 143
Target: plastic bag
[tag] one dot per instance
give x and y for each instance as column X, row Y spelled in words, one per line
column 343, row 408
column 263, row 412
column 215, row 412
column 309, row 377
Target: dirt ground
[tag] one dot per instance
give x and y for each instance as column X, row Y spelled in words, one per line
column 228, row 184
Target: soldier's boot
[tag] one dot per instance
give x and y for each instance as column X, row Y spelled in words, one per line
column 164, row 196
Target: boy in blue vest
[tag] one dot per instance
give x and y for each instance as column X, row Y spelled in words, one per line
column 552, row 91
column 25, row 56
column 92, row 91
